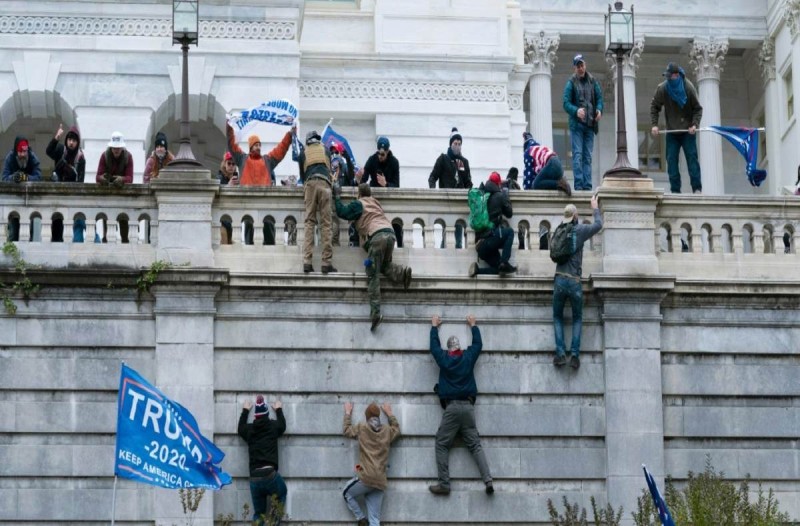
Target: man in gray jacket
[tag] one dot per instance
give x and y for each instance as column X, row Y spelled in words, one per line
column 682, row 111
column 567, row 286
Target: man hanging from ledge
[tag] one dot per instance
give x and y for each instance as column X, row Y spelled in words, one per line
column 377, row 237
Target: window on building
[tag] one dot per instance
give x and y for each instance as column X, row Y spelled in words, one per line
column 789, row 91
column 561, row 145
column 651, row 152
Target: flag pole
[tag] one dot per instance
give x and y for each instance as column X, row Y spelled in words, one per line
column 664, row 132
column 330, row 121
column 114, row 501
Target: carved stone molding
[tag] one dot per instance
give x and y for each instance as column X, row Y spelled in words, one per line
column 515, row 101
column 791, row 16
column 644, row 220
column 707, row 56
column 323, row 89
column 766, row 59
column 540, row 50
column 143, row 27
column 630, row 60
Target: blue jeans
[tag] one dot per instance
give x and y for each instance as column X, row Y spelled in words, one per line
column 549, row 175
column 582, row 145
column 567, row 289
column 687, row 141
column 262, row 490
column 495, row 249
column 78, row 229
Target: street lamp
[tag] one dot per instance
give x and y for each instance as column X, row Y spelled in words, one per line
column 619, row 40
column 185, row 23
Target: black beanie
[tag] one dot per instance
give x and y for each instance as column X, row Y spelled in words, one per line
column 454, row 135
column 161, row 139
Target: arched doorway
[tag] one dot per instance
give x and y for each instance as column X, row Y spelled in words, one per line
column 207, row 118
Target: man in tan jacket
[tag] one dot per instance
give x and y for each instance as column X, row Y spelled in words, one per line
column 374, row 441
column 378, row 239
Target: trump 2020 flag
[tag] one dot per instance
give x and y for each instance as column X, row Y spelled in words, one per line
column 159, row 442
column 746, row 141
column 331, row 137
column 279, row 111
column 661, row 506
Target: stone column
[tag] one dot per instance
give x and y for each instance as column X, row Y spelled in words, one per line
column 517, row 80
column 540, row 50
column 184, row 216
column 516, row 36
column 630, row 63
column 631, row 290
column 776, row 177
column 707, row 57
column 184, row 363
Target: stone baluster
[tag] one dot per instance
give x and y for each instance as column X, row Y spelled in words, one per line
column 697, row 241
column 715, row 240
column 540, row 50
column 707, row 56
column 758, row 242
column 737, row 243
column 675, row 240
column 24, row 229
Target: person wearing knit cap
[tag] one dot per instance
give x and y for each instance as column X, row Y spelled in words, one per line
column 457, row 392
column 315, row 165
column 682, row 111
column 494, row 244
column 377, row 237
column 543, row 170
column 256, row 169
column 583, row 102
column 261, row 437
column 374, row 443
column 382, row 169
column 69, row 158
column 512, row 179
column 160, row 157
column 21, row 164
column 451, row 170
column 567, row 284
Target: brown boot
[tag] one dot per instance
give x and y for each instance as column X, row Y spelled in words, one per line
column 563, row 185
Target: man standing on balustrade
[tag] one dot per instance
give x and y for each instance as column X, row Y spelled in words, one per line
column 567, row 283
column 583, row 101
column 452, row 171
column 69, row 158
column 377, row 238
column 21, row 163
column 682, row 113
column 315, row 164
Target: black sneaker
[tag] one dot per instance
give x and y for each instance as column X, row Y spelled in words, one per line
column 328, row 268
column 563, row 185
column 307, row 267
column 376, row 320
column 506, row 268
column 489, row 488
column 575, row 362
column 438, row 489
column 363, row 522
column 407, row 278
column 559, row 360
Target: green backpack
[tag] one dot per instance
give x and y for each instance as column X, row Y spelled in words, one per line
column 478, row 210
column 564, row 243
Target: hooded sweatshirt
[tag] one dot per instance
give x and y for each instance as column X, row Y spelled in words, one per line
column 11, row 165
column 70, row 164
column 373, row 450
column 262, row 439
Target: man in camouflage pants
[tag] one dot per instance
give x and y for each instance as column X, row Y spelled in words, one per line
column 377, row 237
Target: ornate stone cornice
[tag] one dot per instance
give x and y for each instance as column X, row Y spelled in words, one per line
column 630, row 61
column 766, row 59
column 791, row 16
column 323, row 89
column 143, row 27
column 707, row 56
column 540, row 51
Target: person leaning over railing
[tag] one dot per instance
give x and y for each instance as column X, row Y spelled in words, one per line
column 69, row 158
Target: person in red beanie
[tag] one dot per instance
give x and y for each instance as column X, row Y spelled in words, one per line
column 21, row 164
column 262, row 448
column 494, row 244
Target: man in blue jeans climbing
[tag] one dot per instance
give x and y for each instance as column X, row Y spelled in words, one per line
column 567, row 286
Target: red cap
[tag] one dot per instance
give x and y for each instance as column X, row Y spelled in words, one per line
column 22, row 145
column 228, row 156
column 495, row 178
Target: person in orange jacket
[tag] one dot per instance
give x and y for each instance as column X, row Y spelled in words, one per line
column 256, row 169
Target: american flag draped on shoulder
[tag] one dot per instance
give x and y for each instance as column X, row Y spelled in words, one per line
column 331, row 137
column 746, row 141
column 661, row 506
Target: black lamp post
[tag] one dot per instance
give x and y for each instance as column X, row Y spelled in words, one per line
column 619, row 40
column 185, row 23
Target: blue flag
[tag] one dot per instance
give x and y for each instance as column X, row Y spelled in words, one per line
column 661, row 506
column 331, row 137
column 159, row 442
column 746, row 141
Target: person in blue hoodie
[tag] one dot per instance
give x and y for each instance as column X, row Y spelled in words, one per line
column 457, row 392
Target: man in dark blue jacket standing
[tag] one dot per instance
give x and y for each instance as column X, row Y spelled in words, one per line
column 457, row 393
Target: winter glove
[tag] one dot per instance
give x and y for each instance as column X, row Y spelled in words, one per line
column 54, row 177
column 104, row 179
column 117, row 181
column 17, row 178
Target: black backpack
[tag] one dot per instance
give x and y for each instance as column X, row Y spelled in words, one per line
column 564, row 243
